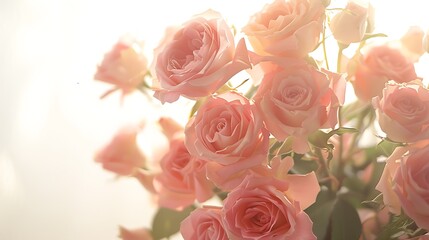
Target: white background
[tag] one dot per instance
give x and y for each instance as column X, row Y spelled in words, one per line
column 52, row 121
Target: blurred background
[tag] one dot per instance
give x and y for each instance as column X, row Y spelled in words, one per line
column 52, row 120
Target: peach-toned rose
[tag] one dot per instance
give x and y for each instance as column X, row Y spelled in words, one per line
column 299, row 100
column 197, row 59
column 228, row 130
column 183, row 178
column 377, row 66
column 426, row 42
column 134, row 234
column 412, row 41
column 258, row 209
column 404, row 183
column 286, row 27
column 349, row 25
column 124, row 66
column 403, row 111
column 122, row 155
column 204, row 223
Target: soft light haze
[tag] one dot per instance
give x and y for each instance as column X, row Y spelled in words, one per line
column 52, row 120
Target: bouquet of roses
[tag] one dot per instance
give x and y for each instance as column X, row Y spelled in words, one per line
column 273, row 149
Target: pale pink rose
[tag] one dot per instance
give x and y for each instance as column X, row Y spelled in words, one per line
column 204, row 223
column 299, row 100
column 377, row 66
column 426, row 42
column 286, row 28
column 403, row 111
column 122, row 155
column 302, row 188
column 197, row 59
column 404, row 183
column 411, row 185
column 259, row 209
column 124, row 66
column 349, row 25
column 182, row 179
column 171, row 130
column 228, row 130
column 134, row 234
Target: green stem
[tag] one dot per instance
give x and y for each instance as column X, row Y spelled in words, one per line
column 325, row 54
column 339, row 57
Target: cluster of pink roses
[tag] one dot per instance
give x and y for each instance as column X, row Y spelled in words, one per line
column 244, row 144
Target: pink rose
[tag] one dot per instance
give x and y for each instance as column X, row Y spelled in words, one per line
column 229, row 131
column 258, row 209
column 124, row 66
column 379, row 65
column 404, row 183
column 135, row 234
column 299, row 100
column 349, row 25
column 403, row 112
column 122, row 155
column 302, row 188
column 286, row 28
column 182, row 179
column 204, row 223
column 197, row 59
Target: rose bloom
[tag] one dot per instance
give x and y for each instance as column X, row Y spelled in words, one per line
column 204, row 223
column 197, row 59
column 124, row 66
column 403, row 111
column 228, row 130
column 299, row 100
column 349, row 25
column 412, row 42
column 286, row 28
column 122, row 155
column 258, row 209
column 135, row 234
column 426, row 42
column 377, row 66
column 182, row 179
column 404, row 183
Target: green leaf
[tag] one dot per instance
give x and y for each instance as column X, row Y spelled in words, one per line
column 320, row 212
column 196, row 106
column 167, row 222
column 386, row 147
column 320, row 139
column 342, row 130
column 302, row 166
column 368, row 36
column 345, row 222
